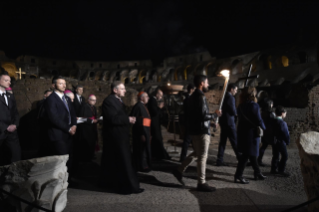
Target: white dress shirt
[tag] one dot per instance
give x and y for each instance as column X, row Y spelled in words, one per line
column 79, row 98
column 5, row 96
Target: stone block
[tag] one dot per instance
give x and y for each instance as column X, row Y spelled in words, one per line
column 42, row 181
column 308, row 145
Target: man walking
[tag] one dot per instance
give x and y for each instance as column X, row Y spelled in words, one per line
column 199, row 128
column 117, row 171
column 154, row 107
column 9, row 121
column 141, row 134
column 227, row 124
column 187, row 137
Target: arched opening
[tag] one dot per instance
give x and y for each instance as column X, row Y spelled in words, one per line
column 91, row 75
column 141, row 76
column 126, row 80
column 266, row 61
column 269, row 62
column 176, row 73
column 284, row 61
column 186, row 72
column 303, row 57
column 117, row 76
column 11, row 69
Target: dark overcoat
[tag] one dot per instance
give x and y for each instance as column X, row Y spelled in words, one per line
column 141, row 149
column 157, row 146
column 77, row 105
column 248, row 142
column 87, row 133
column 117, row 170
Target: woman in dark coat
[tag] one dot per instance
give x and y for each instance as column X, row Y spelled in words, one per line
column 248, row 141
column 268, row 138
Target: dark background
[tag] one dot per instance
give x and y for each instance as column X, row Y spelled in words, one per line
column 127, row 30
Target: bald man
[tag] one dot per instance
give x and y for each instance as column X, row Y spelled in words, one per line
column 84, row 150
column 141, row 132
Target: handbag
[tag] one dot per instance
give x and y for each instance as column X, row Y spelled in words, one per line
column 258, row 131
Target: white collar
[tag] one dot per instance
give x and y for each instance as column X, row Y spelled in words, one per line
column 59, row 94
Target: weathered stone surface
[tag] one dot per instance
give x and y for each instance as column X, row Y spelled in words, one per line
column 308, row 145
column 42, row 181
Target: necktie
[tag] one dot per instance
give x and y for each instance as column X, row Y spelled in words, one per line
column 67, row 107
column 4, row 98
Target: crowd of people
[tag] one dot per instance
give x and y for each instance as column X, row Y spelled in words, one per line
column 69, row 126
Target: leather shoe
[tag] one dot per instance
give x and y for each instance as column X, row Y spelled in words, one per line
column 178, row 176
column 205, row 188
column 241, row 180
column 259, row 176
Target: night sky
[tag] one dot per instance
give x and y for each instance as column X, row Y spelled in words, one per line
column 122, row 30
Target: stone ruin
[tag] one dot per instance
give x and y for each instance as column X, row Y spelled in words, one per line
column 308, row 145
column 41, row 181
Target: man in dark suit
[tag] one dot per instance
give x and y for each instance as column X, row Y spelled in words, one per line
column 61, row 121
column 227, row 124
column 187, row 137
column 78, row 100
column 9, row 121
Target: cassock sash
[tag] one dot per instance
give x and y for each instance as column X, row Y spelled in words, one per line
column 146, row 122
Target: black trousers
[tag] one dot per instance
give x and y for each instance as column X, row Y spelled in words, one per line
column 187, row 141
column 278, row 149
column 63, row 147
column 10, row 149
column 242, row 164
column 227, row 132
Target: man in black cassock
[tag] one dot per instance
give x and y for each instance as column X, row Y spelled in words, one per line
column 117, row 172
column 141, row 134
column 157, row 146
column 88, row 130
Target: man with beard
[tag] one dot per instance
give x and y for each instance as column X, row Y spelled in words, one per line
column 141, row 134
column 88, row 130
column 117, row 172
column 9, row 121
column 61, row 122
column 157, row 146
column 199, row 122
